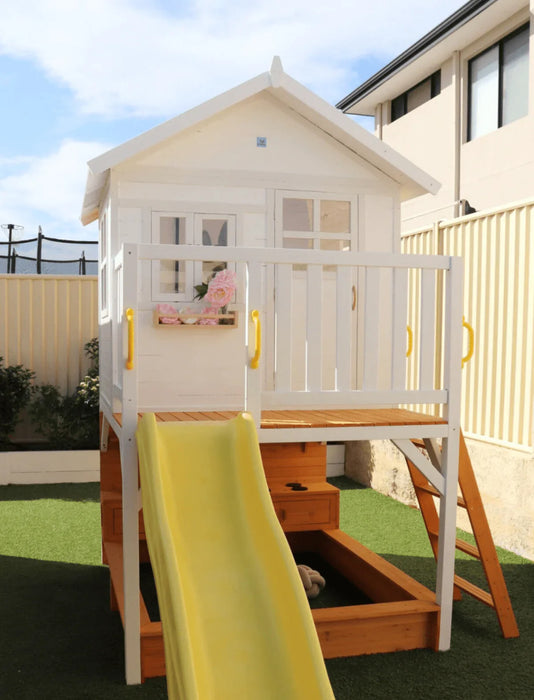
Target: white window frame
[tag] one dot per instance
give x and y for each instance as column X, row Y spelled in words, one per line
column 192, row 236
column 316, row 235
column 499, row 46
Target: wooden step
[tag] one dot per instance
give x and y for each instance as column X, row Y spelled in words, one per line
column 474, row 591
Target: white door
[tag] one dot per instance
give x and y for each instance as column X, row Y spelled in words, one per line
column 314, row 221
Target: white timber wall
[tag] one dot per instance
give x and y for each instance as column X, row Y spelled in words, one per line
column 216, row 168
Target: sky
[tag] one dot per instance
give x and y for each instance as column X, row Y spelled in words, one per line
column 78, row 77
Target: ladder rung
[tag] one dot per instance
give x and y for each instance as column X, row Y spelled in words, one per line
column 434, row 492
column 468, row 548
column 462, row 545
column 475, row 591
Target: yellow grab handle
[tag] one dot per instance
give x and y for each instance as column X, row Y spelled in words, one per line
column 471, row 340
column 353, row 297
column 255, row 361
column 410, row 341
column 130, row 319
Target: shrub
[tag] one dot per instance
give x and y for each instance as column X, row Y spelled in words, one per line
column 15, row 393
column 70, row 422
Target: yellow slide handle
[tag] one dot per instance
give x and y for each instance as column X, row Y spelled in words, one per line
column 410, row 341
column 131, row 332
column 471, row 341
column 255, row 361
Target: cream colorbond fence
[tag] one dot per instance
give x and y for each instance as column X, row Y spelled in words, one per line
column 497, row 247
column 44, row 324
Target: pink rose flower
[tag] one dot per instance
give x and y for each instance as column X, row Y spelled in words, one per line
column 221, row 289
column 167, row 314
column 209, row 321
column 165, row 309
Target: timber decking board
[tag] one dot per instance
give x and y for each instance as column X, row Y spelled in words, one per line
column 338, row 418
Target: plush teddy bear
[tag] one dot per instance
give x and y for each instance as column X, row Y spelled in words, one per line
column 312, row 580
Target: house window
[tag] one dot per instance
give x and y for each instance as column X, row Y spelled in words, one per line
column 498, row 84
column 316, row 222
column 175, row 280
column 416, row 96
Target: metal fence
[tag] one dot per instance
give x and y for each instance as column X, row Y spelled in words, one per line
column 13, row 261
column 45, row 323
column 497, row 247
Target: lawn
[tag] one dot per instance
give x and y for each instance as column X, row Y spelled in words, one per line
column 58, row 638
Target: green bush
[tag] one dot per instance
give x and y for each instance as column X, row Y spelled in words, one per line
column 15, row 393
column 70, row 422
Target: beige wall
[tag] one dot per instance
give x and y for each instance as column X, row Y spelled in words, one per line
column 427, row 137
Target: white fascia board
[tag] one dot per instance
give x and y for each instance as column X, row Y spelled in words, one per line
column 100, row 166
column 173, row 126
column 93, row 193
column 412, row 179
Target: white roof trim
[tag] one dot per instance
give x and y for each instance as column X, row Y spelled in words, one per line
column 319, row 112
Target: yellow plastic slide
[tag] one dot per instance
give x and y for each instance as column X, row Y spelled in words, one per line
column 236, row 620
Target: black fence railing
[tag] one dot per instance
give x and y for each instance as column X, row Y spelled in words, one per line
column 14, row 262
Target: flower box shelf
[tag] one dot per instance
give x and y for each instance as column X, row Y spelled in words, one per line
column 190, row 320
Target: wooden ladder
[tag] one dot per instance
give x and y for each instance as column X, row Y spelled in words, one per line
column 485, row 551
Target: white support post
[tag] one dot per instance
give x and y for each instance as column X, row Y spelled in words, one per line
column 450, row 451
column 130, row 517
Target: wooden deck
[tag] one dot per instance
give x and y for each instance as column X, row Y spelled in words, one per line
column 340, row 418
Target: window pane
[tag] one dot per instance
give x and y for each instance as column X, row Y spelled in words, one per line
column 335, row 244
column 172, row 273
column 335, row 216
column 515, row 77
column 398, row 107
column 419, row 95
column 302, row 243
column 214, row 232
column 104, row 288
column 298, row 214
column 484, row 87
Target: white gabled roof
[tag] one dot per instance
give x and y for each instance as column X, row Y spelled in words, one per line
column 412, row 179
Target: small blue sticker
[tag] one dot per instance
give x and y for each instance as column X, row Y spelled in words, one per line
column 261, row 142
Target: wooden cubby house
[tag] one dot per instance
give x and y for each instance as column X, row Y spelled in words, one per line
column 303, row 204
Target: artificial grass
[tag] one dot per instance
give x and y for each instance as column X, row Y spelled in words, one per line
column 58, row 638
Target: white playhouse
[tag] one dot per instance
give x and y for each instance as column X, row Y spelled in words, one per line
column 271, row 183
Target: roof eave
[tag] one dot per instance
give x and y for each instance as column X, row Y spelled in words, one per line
column 463, row 15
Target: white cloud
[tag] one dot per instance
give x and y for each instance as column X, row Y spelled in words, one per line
column 152, row 58
column 49, row 190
